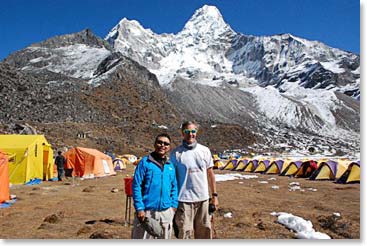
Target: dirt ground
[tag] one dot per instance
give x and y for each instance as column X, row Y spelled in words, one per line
column 95, row 208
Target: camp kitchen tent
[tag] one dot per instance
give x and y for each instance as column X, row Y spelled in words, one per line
column 352, row 174
column 291, row 169
column 30, row 157
column 88, row 163
column 329, row 170
column 4, row 178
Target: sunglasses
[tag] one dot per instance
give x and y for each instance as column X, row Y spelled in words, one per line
column 187, row 131
column 163, row 143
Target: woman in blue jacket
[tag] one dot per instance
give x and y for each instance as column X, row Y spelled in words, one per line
column 155, row 190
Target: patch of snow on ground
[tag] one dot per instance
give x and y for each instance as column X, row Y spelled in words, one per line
column 312, row 189
column 303, row 228
column 227, row 215
column 233, row 176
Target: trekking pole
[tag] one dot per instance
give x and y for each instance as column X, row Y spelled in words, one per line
column 213, row 227
column 212, row 210
column 128, row 192
column 129, row 208
column 126, row 204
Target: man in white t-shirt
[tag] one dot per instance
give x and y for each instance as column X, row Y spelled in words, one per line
column 194, row 171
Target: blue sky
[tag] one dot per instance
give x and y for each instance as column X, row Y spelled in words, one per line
column 333, row 22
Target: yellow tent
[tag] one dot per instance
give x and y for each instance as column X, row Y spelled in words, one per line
column 263, row 165
column 330, row 170
column 218, row 164
column 241, row 164
column 230, row 164
column 130, row 159
column 352, row 174
column 30, row 157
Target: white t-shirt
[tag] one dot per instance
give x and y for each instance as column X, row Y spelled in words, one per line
column 191, row 171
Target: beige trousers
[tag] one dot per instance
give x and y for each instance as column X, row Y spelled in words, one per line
column 164, row 217
column 193, row 220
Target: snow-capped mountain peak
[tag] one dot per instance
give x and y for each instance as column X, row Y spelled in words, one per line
column 206, row 21
column 128, row 28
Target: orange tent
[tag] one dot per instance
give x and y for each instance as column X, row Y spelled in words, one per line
column 88, row 163
column 4, row 178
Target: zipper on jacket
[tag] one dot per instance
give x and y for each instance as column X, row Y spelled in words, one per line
column 160, row 197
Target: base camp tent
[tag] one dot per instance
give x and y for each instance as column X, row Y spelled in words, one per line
column 130, row 159
column 263, row 165
column 251, row 165
column 119, row 164
column 218, row 164
column 231, row 164
column 4, row 178
column 88, row 163
column 241, row 165
column 352, row 174
column 329, row 170
column 306, row 169
column 275, row 167
column 30, row 157
column 291, row 169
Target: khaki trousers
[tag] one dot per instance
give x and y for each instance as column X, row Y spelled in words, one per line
column 164, row 217
column 193, row 220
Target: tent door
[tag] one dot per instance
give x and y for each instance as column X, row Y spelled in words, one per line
column 45, row 164
column 105, row 167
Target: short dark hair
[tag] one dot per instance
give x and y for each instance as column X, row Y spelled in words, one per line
column 189, row 122
column 59, row 152
column 162, row 135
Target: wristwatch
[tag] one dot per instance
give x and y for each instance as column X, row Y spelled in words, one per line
column 215, row 194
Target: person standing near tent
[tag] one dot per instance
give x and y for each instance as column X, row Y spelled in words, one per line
column 194, row 170
column 60, row 162
column 155, row 191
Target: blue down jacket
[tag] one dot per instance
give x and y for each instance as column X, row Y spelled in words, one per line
column 154, row 186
